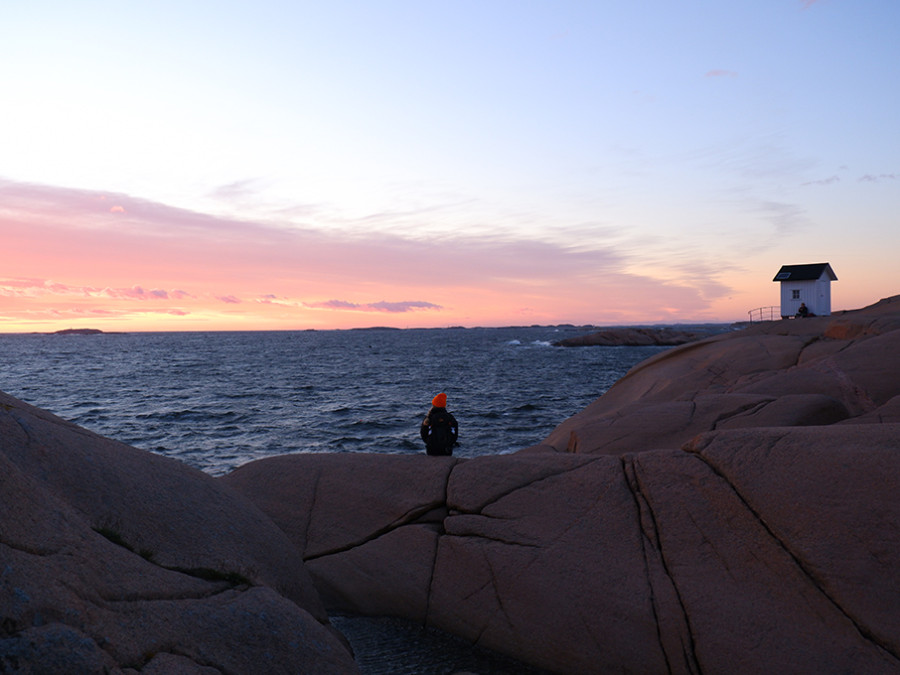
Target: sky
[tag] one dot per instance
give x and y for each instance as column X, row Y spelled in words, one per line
column 274, row 164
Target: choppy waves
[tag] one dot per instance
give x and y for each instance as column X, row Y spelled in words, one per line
column 218, row 400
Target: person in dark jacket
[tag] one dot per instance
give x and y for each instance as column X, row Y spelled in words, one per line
column 439, row 430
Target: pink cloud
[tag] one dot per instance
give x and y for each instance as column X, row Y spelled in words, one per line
column 189, row 263
column 405, row 306
column 137, row 293
column 40, row 287
column 381, row 306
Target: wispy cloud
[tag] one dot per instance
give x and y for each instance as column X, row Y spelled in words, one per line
column 823, row 181
column 236, row 191
column 37, row 287
column 382, row 306
column 785, row 217
column 137, row 293
column 873, row 178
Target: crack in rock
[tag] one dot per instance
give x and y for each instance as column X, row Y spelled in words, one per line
column 41, row 552
column 652, row 550
column 131, row 598
column 437, row 546
column 498, row 599
column 411, row 517
column 496, row 497
column 753, row 409
column 805, row 569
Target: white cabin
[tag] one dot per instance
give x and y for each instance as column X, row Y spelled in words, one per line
column 809, row 284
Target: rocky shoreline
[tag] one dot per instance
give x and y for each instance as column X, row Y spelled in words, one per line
column 729, row 506
column 637, row 337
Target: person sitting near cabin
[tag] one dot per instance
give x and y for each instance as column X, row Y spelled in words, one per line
column 439, row 430
column 803, row 311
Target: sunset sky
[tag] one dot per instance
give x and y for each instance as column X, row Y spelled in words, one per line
column 271, row 164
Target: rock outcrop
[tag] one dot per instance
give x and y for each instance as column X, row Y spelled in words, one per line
column 786, row 373
column 633, row 337
column 113, row 559
column 730, row 506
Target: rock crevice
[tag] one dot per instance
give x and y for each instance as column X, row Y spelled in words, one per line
column 660, row 585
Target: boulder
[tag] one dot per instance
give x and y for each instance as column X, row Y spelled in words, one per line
column 114, row 558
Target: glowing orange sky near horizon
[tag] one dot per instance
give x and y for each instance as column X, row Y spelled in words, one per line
column 75, row 259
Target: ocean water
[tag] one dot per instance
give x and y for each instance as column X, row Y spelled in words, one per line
column 218, row 400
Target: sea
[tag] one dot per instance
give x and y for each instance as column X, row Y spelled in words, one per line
column 217, row 400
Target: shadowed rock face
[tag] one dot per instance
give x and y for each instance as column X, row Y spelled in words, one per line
column 113, row 558
column 729, row 506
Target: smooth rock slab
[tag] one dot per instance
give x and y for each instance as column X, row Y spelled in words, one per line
column 751, row 551
column 818, row 371
column 111, row 556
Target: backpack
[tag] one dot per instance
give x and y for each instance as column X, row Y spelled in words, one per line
column 440, row 438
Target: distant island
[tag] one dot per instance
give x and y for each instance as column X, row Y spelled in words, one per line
column 78, row 331
column 639, row 337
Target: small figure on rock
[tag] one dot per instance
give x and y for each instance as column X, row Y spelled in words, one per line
column 439, row 430
column 803, row 311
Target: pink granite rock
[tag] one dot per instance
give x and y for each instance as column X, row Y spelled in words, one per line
column 751, row 541
column 795, row 373
column 110, row 557
column 830, row 498
column 729, row 506
column 397, row 504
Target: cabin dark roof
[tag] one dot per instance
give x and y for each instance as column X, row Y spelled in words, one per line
column 809, row 272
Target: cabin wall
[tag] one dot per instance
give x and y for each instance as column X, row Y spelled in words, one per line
column 823, row 297
column 816, row 294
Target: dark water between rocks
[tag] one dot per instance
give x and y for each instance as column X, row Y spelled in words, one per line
column 385, row 646
column 219, row 400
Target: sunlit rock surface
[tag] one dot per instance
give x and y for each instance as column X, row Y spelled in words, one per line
column 730, row 506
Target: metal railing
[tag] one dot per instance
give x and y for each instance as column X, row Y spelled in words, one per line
column 771, row 313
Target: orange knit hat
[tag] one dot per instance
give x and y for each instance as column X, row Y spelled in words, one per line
column 439, row 401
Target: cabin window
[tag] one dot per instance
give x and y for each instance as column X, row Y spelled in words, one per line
column 795, row 295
